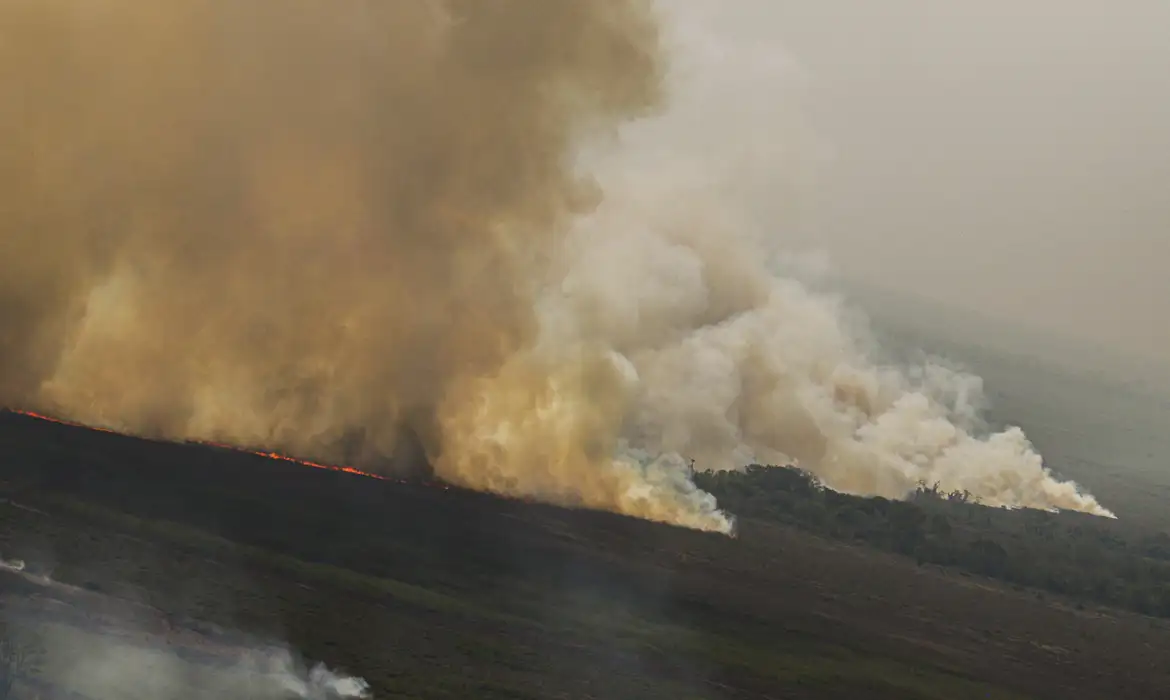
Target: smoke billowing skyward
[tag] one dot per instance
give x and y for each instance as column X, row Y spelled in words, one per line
column 318, row 226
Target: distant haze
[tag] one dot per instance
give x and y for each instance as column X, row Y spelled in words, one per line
column 1012, row 158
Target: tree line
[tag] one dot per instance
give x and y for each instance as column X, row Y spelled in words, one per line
column 1074, row 554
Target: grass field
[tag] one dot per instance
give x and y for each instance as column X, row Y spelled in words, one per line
column 434, row 593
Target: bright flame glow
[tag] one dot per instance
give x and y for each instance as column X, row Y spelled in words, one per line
column 258, row 453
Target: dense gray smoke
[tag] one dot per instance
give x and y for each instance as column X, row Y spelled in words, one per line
column 307, row 225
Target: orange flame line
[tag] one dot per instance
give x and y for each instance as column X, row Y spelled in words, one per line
column 267, row 455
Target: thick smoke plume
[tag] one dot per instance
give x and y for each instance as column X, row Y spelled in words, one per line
column 734, row 364
column 321, row 226
column 317, row 226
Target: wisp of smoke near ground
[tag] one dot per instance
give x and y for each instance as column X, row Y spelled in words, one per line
column 125, row 649
column 320, row 226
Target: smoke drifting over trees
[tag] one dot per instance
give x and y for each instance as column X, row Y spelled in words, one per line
column 290, row 224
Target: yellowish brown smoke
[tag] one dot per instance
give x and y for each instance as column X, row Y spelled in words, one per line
column 319, row 225
column 308, row 224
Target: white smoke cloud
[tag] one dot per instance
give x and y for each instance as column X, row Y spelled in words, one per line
column 126, row 650
column 129, row 663
column 114, row 669
column 732, row 358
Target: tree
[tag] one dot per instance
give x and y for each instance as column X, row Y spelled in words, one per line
column 990, row 557
column 906, row 523
column 940, row 526
column 1067, row 553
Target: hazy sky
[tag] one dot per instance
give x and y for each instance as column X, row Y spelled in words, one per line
column 1010, row 156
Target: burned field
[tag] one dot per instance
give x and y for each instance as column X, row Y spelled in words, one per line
column 435, row 592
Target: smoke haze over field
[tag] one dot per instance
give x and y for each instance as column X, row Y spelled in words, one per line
column 1007, row 157
column 315, row 226
column 127, row 649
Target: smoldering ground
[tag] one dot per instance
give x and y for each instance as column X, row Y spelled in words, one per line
column 69, row 640
column 289, row 225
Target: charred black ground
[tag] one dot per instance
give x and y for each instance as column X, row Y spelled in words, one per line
column 431, row 592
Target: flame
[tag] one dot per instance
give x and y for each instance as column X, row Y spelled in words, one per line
column 259, row 453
